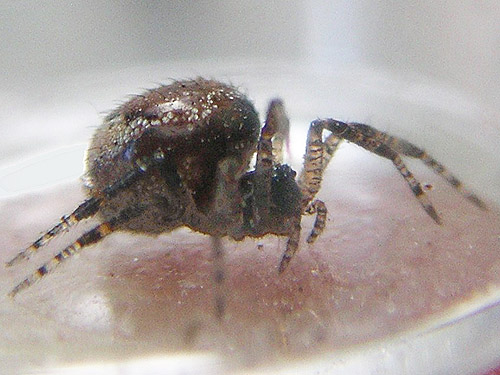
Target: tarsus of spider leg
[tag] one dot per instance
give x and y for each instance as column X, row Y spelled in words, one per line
column 416, row 188
column 92, row 236
column 452, row 180
column 385, row 151
column 409, row 149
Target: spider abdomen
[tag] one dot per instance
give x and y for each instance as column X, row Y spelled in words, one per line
column 195, row 123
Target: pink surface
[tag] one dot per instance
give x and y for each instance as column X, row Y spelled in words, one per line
column 382, row 267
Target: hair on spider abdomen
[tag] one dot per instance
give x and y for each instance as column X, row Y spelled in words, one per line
column 193, row 124
column 179, row 155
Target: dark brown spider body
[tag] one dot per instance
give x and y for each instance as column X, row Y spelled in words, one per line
column 283, row 203
column 179, row 155
column 195, row 124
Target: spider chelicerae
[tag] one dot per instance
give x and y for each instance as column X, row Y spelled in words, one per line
column 179, row 155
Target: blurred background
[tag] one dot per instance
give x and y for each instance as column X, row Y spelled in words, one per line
column 455, row 42
column 452, row 41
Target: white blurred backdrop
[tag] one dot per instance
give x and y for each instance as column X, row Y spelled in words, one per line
column 64, row 63
column 452, row 41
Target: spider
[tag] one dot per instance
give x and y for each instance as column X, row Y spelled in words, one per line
column 179, row 155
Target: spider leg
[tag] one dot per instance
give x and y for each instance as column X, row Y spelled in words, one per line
column 415, row 186
column 88, row 208
column 91, row 237
column 229, row 220
column 276, row 128
column 292, row 246
column 319, row 208
column 227, row 202
column 277, row 120
column 377, row 142
column 316, row 158
column 330, row 146
column 408, row 149
column 219, row 276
